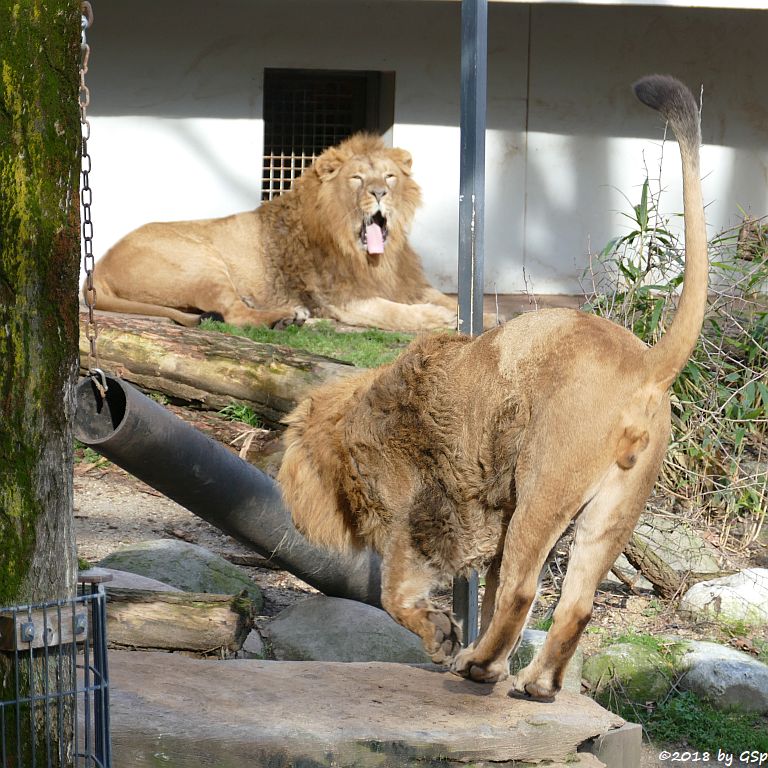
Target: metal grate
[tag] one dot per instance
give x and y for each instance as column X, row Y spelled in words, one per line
column 308, row 111
column 59, row 711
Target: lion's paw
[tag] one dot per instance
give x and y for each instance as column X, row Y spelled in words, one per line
column 447, row 639
column 527, row 685
column 466, row 665
column 536, row 690
column 429, row 317
column 299, row 317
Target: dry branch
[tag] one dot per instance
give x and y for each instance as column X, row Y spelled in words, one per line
column 206, row 368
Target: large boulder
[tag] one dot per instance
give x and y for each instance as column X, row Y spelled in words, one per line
column 127, row 580
column 725, row 677
column 186, row 566
column 742, row 597
column 334, row 629
column 530, row 643
column 634, row 671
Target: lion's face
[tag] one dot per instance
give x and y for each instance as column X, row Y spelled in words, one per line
column 366, row 196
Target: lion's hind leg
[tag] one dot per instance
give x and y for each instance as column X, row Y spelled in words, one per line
column 533, row 530
column 406, row 583
column 602, row 530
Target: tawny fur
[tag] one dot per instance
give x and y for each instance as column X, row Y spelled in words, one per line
column 478, row 454
column 299, row 255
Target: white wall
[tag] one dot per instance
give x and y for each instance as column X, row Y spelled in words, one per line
column 176, row 104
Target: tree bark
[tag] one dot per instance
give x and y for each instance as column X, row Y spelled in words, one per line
column 39, row 254
column 207, row 368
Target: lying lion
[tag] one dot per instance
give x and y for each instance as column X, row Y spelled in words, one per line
column 335, row 245
column 477, row 454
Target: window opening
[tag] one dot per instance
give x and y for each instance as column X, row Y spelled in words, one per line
column 307, row 111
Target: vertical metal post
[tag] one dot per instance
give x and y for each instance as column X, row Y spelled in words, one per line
column 474, row 67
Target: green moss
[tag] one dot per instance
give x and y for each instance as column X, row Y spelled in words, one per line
column 629, row 671
column 39, row 139
column 366, row 349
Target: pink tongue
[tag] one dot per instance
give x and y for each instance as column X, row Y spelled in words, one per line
column 374, row 238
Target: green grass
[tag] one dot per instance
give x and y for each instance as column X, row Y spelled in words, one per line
column 365, row 349
column 242, row 413
column 84, row 454
column 685, row 718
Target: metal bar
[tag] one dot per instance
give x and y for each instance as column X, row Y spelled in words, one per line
column 99, row 614
column 474, row 67
column 60, row 695
column 30, row 700
column 46, row 685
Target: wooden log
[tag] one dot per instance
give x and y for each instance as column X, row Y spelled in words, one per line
column 206, row 368
column 177, row 621
column 667, row 582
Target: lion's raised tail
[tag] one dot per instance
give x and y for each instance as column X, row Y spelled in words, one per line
column 676, row 103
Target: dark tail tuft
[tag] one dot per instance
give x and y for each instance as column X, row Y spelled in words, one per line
column 675, row 102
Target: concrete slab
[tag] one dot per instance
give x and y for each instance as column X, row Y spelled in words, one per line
column 172, row 710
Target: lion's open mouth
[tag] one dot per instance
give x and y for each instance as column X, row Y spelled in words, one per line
column 373, row 233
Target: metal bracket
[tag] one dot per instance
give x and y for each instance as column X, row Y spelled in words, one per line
column 42, row 629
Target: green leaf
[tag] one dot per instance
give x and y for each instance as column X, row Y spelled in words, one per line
column 642, row 209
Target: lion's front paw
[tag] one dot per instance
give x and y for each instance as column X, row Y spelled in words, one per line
column 434, row 317
column 299, row 316
column 447, row 637
column 466, row 664
column 525, row 686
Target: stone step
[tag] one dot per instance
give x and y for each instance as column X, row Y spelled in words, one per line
column 189, row 712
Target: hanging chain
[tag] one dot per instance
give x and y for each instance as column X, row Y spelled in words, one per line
column 86, row 197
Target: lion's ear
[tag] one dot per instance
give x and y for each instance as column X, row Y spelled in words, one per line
column 403, row 159
column 328, row 164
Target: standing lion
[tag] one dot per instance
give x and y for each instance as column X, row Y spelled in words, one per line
column 335, row 246
column 478, row 453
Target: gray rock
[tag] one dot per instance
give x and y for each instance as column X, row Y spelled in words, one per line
column 176, row 711
column 530, row 643
column 727, row 678
column 641, row 673
column 186, row 566
column 334, row 629
column 127, row 580
column 253, row 647
column 742, row 597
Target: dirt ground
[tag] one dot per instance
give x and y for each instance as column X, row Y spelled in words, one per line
column 113, row 509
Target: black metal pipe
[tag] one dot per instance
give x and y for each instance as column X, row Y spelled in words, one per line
column 168, row 454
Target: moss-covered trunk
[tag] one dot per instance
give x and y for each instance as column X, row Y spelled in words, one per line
column 39, row 253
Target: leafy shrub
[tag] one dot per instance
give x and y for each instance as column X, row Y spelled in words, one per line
column 717, row 464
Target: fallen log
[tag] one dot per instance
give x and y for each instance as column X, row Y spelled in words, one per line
column 667, row 582
column 208, row 369
column 177, row 621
